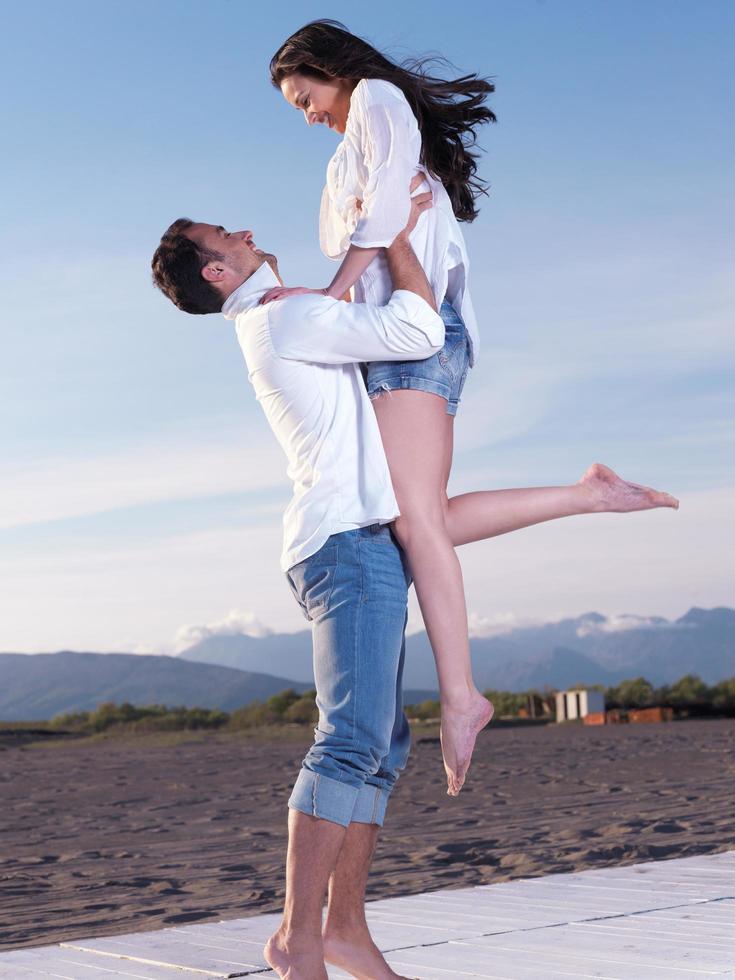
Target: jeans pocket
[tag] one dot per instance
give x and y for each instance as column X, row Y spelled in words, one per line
column 295, row 591
column 383, row 574
column 454, row 358
column 312, row 581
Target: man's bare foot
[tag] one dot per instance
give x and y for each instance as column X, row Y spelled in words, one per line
column 354, row 951
column 462, row 720
column 295, row 958
column 608, row 492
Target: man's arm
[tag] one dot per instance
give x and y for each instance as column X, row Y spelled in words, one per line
column 327, row 331
column 407, row 272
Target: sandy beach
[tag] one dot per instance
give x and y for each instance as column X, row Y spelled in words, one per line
column 125, row 834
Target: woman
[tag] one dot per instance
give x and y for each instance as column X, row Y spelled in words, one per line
column 398, row 122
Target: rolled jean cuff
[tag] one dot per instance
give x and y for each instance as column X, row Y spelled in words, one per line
column 370, row 805
column 322, row 797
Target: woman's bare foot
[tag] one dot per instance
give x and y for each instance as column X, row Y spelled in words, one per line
column 296, row 958
column 462, row 720
column 608, row 492
column 355, row 952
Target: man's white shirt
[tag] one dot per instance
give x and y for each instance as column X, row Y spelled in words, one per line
column 303, row 356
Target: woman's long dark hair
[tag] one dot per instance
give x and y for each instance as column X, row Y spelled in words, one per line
column 448, row 112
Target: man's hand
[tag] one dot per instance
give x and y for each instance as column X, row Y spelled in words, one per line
column 419, row 204
column 282, row 292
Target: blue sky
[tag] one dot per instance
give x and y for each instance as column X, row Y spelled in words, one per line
column 140, row 490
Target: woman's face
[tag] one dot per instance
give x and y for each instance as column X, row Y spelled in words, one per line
column 326, row 102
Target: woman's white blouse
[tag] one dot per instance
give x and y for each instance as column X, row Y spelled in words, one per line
column 374, row 164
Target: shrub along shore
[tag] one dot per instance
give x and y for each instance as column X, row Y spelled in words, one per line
column 689, row 695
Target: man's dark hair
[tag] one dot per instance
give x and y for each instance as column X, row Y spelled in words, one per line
column 177, row 271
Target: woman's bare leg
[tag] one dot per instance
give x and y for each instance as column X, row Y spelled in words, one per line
column 488, row 513
column 417, row 435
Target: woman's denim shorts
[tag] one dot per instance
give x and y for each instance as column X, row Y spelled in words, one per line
column 442, row 374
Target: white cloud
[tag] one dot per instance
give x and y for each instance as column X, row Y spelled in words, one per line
column 506, row 398
column 73, row 286
column 235, row 623
column 143, row 649
column 148, row 472
column 134, row 594
column 93, row 595
column 660, row 562
column 498, row 624
column 611, row 313
column 621, row 623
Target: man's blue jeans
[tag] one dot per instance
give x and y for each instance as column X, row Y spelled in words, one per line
column 354, row 593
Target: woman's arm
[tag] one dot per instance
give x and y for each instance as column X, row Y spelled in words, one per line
column 352, row 267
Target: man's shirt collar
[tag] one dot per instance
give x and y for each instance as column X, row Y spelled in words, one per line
column 248, row 295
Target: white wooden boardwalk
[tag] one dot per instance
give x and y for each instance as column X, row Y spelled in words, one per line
column 658, row 921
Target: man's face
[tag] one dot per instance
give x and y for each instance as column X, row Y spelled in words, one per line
column 241, row 256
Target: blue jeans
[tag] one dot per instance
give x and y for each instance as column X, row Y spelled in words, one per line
column 441, row 374
column 354, row 593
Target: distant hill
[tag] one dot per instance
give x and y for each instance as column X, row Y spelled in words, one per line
column 227, row 671
column 701, row 642
column 568, row 668
column 41, row 685
column 288, row 654
column 35, row 687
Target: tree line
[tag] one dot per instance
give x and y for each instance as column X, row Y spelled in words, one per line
column 291, row 708
column 287, row 707
column 688, row 693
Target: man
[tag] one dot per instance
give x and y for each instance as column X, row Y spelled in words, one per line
column 303, row 356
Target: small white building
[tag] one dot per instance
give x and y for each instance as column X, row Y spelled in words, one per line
column 577, row 704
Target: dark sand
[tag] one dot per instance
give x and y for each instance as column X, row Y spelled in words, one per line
column 139, row 833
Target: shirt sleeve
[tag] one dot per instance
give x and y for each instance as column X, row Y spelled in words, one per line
column 328, row 331
column 389, row 145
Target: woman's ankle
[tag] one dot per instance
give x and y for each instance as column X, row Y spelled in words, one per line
column 459, row 696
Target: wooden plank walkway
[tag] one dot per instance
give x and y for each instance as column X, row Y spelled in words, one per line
column 666, row 920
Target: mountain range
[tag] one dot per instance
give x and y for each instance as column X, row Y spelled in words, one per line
column 35, row 687
column 227, row 671
column 590, row 649
column 41, row 685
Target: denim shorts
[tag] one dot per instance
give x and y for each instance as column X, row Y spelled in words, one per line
column 441, row 374
column 354, row 591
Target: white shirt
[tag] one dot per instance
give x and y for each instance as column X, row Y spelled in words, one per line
column 374, row 163
column 303, row 356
